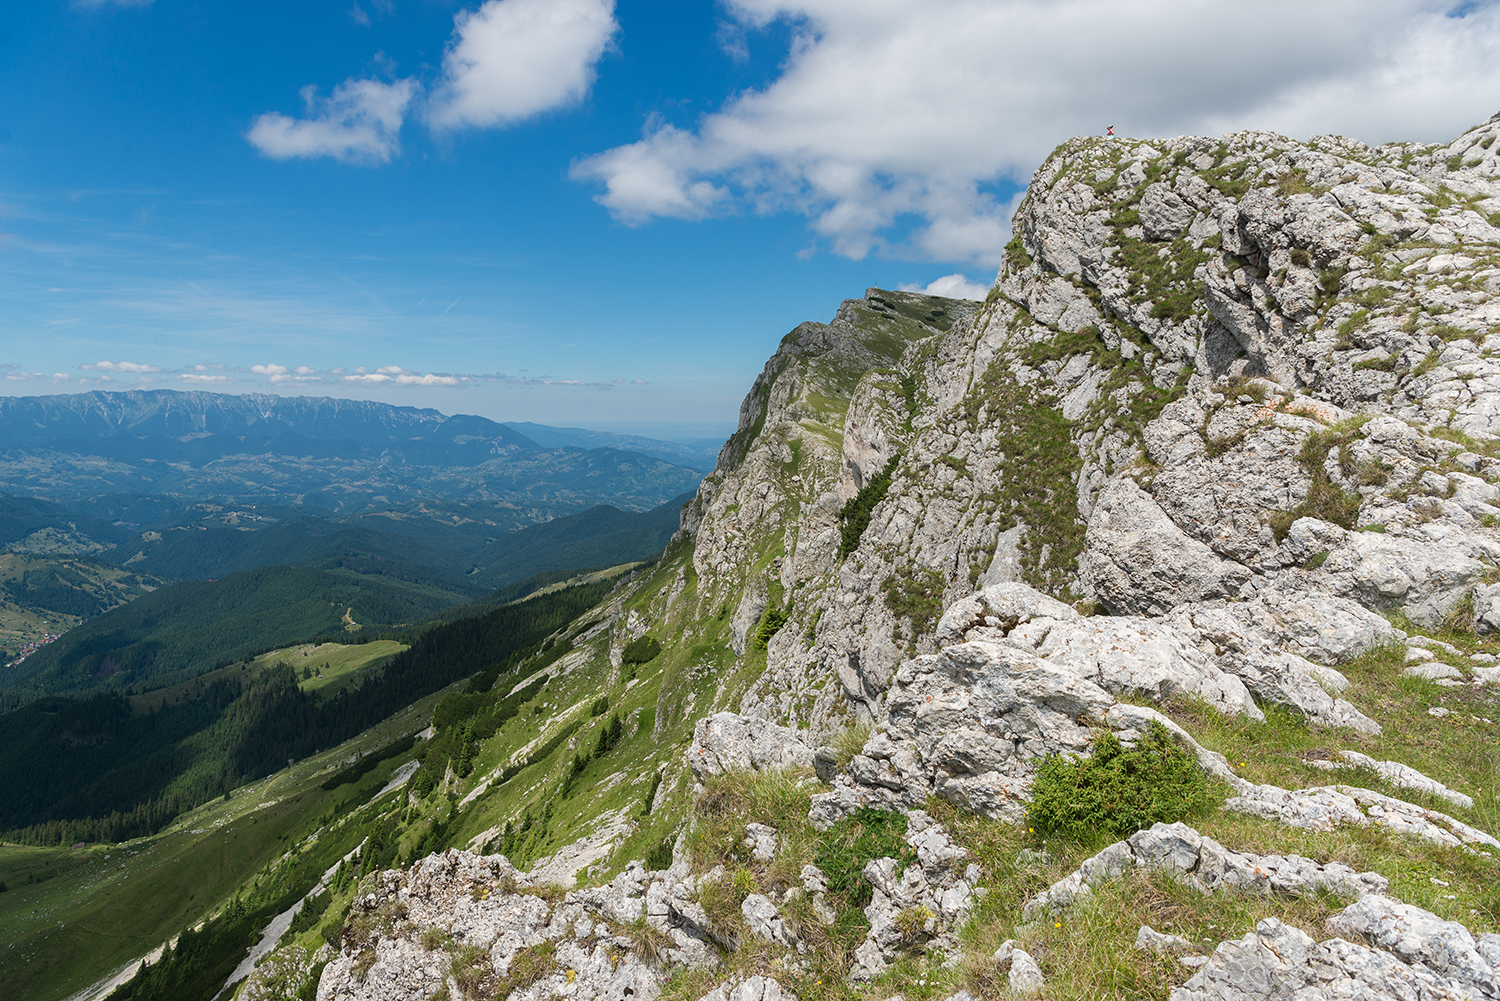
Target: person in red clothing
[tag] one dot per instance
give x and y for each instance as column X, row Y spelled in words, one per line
column 1109, row 130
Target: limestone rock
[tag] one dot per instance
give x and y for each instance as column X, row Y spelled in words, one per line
column 765, row 920
column 1164, row 216
column 1323, row 808
column 726, row 742
column 1125, row 655
column 1204, row 863
column 1137, row 561
column 1487, row 608
column 1387, row 950
column 1433, row 670
column 1148, row 939
column 762, row 840
column 1397, row 774
column 756, row 988
column 481, row 901
column 1423, row 579
column 1025, row 975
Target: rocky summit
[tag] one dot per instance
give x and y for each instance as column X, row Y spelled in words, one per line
column 1212, row 476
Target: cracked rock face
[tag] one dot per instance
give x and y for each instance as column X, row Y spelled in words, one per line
column 1412, row 954
column 1238, row 370
column 972, row 723
column 1204, row 863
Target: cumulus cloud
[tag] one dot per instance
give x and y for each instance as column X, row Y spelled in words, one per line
column 199, row 379
column 282, row 374
column 121, row 366
column 359, row 123
column 893, row 111
column 507, row 61
column 395, row 375
column 512, row 59
column 952, row 286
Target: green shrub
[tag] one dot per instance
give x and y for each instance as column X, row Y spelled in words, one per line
column 310, row 914
column 917, row 597
column 640, row 651
column 770, row 624
column 609, row 735
column 856, row 841
column 659, row 855
column 1117, row 792
column 854, row 516
column 1325, row 500
column 649, row 798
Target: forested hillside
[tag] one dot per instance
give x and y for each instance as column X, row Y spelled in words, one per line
column 99, row 769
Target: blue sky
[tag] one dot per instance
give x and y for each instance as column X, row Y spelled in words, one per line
column 577, row 211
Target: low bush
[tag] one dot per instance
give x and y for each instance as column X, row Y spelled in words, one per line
column 854, row 516
column 659, row 857
column 856, row 841
column 1117, row 792
column 640, row 651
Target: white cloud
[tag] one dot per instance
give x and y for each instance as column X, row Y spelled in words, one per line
column 512, row 59
column 952, row 286
column 282, row 375
column 395, row 375
column 198, row 379
column 121, row 366
column 889, row 111
column 360, row 123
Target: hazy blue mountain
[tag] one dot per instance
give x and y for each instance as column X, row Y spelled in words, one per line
column 332, row 456
column 695, row 453
column 165, row 413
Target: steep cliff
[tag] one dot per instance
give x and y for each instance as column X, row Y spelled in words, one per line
column 1223, row 439
column 1194, row 343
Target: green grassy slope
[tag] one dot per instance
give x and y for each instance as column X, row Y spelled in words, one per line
column 106, row 905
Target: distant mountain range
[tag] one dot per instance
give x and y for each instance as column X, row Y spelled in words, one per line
column 335, row 456
column 391, row 513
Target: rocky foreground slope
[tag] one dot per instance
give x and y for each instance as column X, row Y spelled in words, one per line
column 1217, row 458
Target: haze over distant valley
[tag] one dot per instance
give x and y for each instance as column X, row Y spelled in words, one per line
column 106, row 497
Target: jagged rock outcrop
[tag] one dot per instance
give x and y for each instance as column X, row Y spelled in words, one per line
column 1215, row 374
column 1204, row 863
column 460, row 916
column 971, row 724
column 1231, row 404
column 1411, row 954
column 728, row 742
column 925, row 903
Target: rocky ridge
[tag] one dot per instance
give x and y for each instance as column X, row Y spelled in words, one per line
column 1225, row 429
